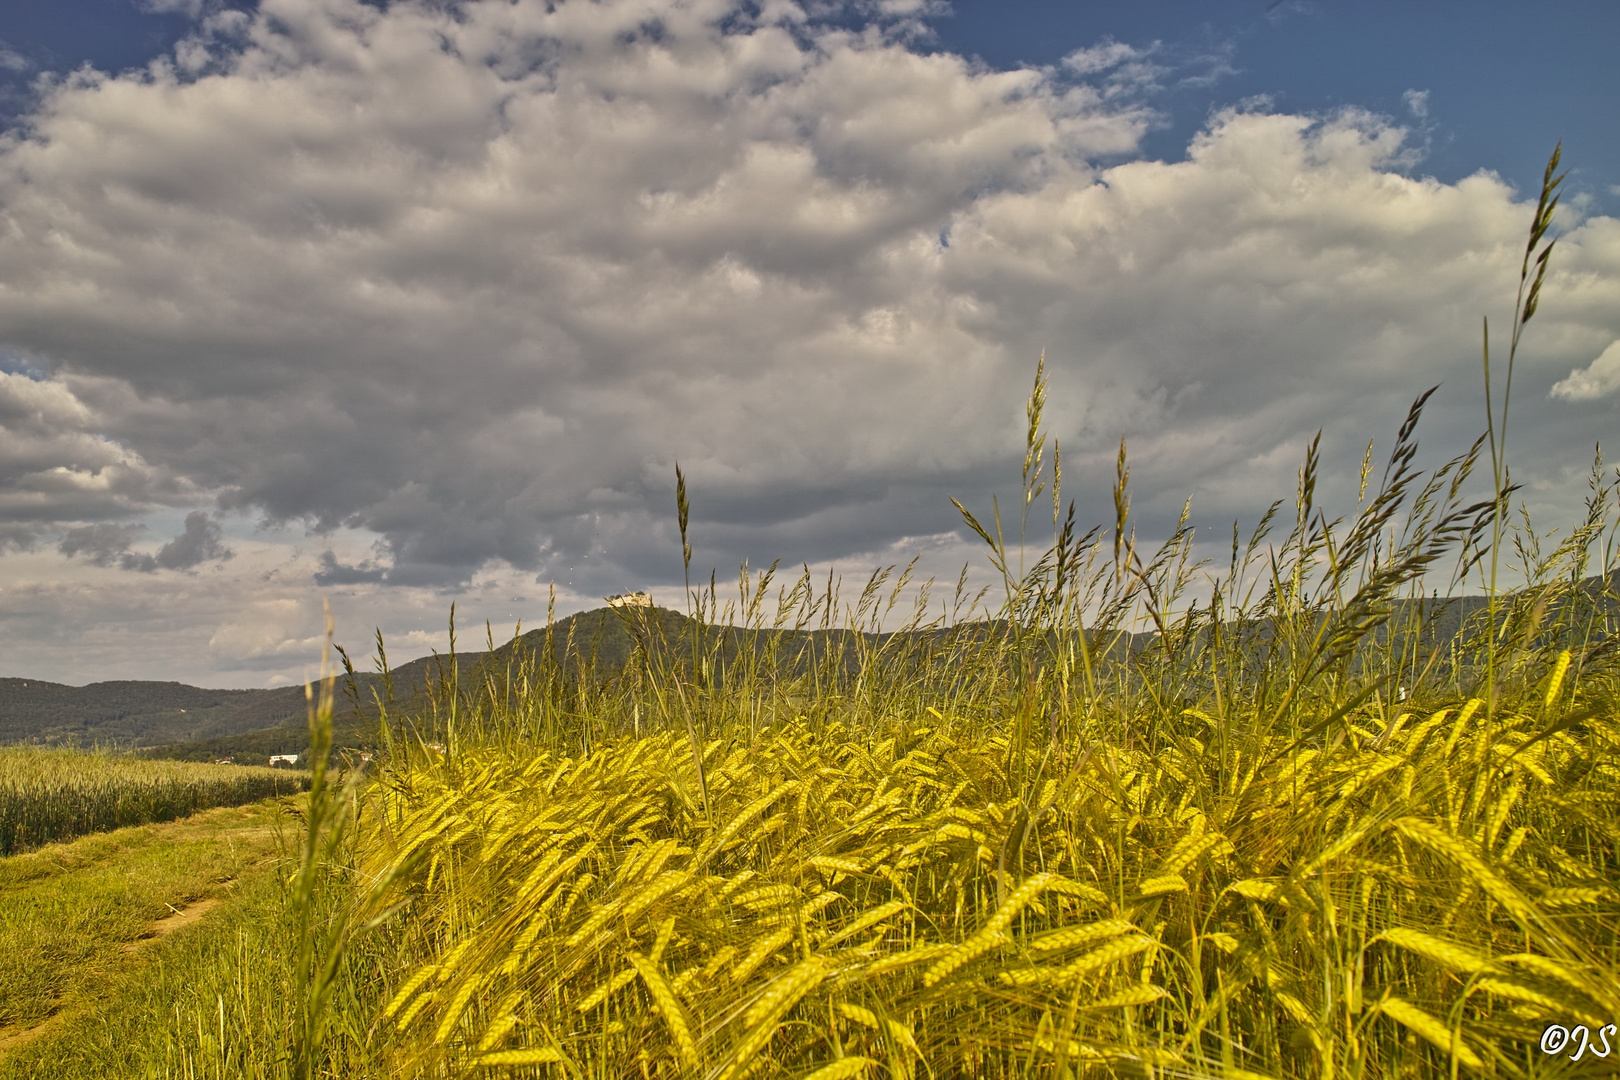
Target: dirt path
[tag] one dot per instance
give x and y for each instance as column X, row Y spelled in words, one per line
column 12, row 1038
column 180, row 916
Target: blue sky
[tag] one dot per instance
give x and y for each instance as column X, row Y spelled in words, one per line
column 1505, row 81
column 399, row 305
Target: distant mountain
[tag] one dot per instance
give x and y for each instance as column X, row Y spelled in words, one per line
column 130, row 713
column 603, row 639
column 174, row 720
column 141, row 715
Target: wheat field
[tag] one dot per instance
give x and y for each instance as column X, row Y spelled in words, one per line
column 1291, row 816
column 53, row 795
column 1425, row 888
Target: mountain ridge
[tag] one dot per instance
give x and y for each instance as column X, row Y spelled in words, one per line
column 175, row 719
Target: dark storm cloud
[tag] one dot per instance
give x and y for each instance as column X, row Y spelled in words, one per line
column 108, row 544
column 333, row 572
column 101, row 544
column 203, row 541
column 473, row 300
column 57, row 462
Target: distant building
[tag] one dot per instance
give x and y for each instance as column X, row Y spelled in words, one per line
column 635, row 599
column 288, row 760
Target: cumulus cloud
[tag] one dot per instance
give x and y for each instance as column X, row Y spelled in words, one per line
column 478, row 298
column 468, row 279
column 1598, row 379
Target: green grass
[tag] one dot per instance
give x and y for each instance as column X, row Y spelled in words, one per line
column 71, row 913
column 54, row 795
column 212, row 1001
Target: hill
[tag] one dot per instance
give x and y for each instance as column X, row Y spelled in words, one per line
column 171, row 719
column 133, row 713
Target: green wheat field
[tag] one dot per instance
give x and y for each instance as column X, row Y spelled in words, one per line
column 53, row 795
column 1289, row 814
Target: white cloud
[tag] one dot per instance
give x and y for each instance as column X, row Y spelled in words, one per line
column 237, row 623
column 1598, row 379
column 1104, row 56
column 194, row 9
column 1417, row 103
column 455, row 289
column 277, row 630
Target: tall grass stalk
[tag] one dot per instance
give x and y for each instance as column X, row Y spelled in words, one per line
column 316, row 892
column 1496, row 425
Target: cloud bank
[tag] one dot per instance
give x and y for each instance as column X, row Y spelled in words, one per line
column 438, row 294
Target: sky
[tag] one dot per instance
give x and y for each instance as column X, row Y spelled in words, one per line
column 399, row 305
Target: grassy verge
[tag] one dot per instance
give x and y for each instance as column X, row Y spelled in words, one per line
column 74, row 917
column 213, row 1001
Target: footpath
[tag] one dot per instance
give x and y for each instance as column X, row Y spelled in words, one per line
column 82, row 922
